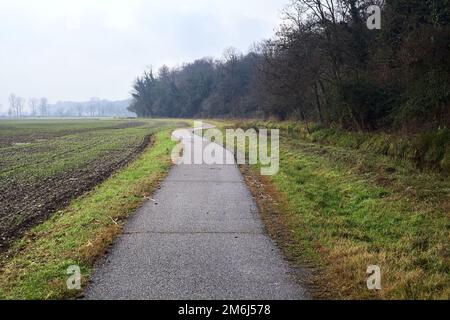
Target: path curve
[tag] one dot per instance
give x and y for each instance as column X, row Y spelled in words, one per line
column 203, row 238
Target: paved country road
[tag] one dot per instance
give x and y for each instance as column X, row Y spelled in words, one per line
column 202, row 239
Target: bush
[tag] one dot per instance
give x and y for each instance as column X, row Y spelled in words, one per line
column 445, row 162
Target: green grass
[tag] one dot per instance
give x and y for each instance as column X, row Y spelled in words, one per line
column 350, row 212
column 350, row 208
column 78, row 235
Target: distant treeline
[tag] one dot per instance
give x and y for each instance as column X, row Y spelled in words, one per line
column 95, row 107
column 323, row 65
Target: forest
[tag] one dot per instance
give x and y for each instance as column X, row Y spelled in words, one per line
column 322, row 65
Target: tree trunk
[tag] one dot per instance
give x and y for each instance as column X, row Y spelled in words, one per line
column 319, row 106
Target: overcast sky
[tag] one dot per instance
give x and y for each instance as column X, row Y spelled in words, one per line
column 78, row 49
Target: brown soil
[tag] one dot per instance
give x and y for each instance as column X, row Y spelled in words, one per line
column 24, row 206
column 8, row 140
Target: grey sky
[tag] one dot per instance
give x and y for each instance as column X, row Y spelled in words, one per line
column 77, row 49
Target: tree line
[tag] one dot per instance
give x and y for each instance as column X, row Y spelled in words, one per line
column 323, row 65
column 95, row 107
column 37, row 107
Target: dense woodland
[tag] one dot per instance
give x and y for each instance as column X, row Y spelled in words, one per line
column 323, row 65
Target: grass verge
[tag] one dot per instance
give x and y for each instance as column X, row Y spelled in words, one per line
column 344, row 209
column 35, row 267
column 427, row 150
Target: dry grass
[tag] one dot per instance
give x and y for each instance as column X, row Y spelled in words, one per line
column 341, row 210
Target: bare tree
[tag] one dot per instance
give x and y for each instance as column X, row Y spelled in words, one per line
column 91, row 110
column 79, row 110
column 15, row 105
column 20, row 106
column 94, row 107
column 12, row 105
column 43, row 106
column 33, row 103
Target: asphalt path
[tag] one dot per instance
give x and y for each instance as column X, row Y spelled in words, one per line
column 200, row 237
